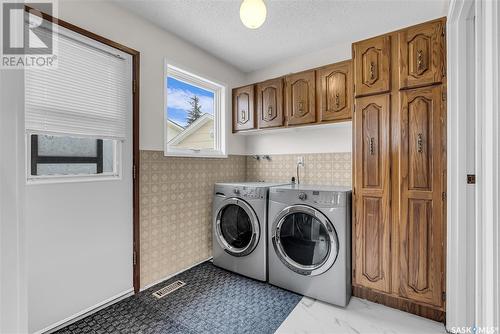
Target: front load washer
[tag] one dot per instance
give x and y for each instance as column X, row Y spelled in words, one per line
column 240, row 228
column 310, row 241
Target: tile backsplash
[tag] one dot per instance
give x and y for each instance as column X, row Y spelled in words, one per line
column 176, row 200
column 319, row 168
column 176, row 208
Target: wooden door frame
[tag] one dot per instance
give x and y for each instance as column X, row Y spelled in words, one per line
column 135, row 126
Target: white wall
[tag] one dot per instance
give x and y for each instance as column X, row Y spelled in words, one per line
column 13, row 299
column 154, row 44
column 311, row 139
column 333, row 54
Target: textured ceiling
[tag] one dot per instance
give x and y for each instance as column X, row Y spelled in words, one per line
column 292, row 28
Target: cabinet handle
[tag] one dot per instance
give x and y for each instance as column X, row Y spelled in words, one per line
column 270, row 111
column 243, row 112
column 372, row 70
column 420, row 60
column 420, row 143
column 372, row 146
column 301, row 107
column 337, row 100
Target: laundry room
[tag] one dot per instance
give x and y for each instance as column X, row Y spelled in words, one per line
column 249, row 166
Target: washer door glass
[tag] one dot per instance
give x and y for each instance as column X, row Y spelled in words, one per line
column 304, row 239
column 236, row 226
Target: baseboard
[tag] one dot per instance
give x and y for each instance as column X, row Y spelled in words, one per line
column 399, row 303
column 172, row 275
column 80, row 315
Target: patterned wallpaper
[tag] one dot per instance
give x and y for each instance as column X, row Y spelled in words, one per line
column 176, row 208
column 319, row 168
column 176, row 200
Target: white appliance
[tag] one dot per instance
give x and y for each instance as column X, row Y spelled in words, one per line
column 240, row 227
column 310, row 241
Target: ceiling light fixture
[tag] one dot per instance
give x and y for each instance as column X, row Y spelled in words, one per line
column 253, row 13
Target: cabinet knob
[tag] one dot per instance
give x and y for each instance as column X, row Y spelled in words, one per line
column 301, row 107
column 420, row 60
column 372, row 70
column 420, row 143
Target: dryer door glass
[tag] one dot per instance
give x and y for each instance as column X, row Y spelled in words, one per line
column 236, row 226
column 304, row 239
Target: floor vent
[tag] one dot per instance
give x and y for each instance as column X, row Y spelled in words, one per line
column 168, row 289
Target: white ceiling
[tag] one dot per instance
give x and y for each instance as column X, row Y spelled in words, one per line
column 292, row 28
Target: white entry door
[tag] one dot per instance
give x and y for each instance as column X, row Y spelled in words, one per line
column 79, row 190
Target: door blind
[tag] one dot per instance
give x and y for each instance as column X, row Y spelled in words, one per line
column 87, row 94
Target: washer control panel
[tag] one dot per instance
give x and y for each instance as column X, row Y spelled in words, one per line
column 250, row 193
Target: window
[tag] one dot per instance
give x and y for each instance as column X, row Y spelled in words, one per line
column 194, row 115
column 78, row 115
column 62, row 155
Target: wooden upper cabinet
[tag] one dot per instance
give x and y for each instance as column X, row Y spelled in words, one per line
column 372, row 190
column 300, row 98
column 422, row 55
column 422, row 165
column 334, row 91
column 270, row 103
column 243, row 108
column 371, row 66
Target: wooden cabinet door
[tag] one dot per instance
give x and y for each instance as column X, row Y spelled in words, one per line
column 300, row 99
column 243, row 108
column 422, row 164
column 334, row 91
column 371, row 66
column 270, row 103
column 372, row 191
column 422, row 55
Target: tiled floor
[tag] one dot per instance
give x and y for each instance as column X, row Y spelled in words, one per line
column 360, row 317
column 217, row 301
column 213, row 301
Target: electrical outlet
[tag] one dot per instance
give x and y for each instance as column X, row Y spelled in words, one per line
column 300, row 160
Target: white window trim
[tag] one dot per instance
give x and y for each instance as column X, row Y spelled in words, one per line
column 220, row 103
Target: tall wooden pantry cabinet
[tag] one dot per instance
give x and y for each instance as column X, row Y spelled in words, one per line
column 399, row 209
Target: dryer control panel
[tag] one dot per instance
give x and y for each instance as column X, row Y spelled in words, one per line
column 325, row 198
column 321, row 197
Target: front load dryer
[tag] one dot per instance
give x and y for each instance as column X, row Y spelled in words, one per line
column 310, row 241
column 240, row 228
